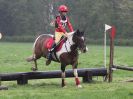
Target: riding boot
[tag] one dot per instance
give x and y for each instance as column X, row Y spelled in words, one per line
column 49, row 56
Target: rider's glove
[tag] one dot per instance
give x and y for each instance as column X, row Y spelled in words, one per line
column 66, row 34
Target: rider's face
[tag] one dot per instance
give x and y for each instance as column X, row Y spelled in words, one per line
column 63, row 13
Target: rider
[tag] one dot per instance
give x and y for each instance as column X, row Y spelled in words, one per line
column 61, row 22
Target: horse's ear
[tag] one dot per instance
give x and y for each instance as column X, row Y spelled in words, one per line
column 82, row 32
column 78, row 31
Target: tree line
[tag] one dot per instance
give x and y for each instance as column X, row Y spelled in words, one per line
column 32, row 17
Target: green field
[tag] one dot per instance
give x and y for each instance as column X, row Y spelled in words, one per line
column 12, row 59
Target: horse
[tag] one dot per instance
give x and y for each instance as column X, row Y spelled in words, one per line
column 67, row 55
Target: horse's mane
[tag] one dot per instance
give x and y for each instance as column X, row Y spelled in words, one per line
column 77, row 32
column 70, row 33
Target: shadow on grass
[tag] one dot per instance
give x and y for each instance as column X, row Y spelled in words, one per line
column 41, row 85
column 51, row 84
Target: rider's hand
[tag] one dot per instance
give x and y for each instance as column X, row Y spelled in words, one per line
column 66, row 34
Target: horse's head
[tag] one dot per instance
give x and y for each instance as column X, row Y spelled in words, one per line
column 79, row 40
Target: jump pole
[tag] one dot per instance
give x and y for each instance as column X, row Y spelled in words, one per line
column 3, row 87
column 112, row 35
column 111, row 60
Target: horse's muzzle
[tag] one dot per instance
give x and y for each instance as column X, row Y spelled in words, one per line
column 84, row 50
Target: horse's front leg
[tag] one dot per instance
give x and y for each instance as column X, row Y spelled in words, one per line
column 63, row 75
column 77, row 81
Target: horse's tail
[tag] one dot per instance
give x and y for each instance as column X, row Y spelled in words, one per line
column 31, row 58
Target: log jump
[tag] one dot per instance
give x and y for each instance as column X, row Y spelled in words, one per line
column 23, row 77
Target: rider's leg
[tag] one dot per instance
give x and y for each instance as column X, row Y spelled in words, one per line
column 50, row 51
column 58, row 36
column 49, row 55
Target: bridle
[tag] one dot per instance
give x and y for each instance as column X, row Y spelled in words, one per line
column 69, row 44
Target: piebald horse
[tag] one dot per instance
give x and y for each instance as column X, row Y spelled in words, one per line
column 67, row 55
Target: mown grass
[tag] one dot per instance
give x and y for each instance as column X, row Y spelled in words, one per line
column 12, row 59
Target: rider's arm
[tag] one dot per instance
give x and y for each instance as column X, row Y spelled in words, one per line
column 69, row 25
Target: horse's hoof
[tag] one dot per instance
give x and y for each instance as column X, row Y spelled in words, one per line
column 79, row 86
column 64, row 87
column 48, row 62
column 34, row 69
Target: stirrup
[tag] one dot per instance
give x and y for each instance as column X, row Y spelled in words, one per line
column 49, row 56
column 51, row 49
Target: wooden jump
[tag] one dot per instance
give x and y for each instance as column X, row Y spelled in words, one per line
column 23, row 77
column 111, row 63
column 123, row 68
column 3, row 88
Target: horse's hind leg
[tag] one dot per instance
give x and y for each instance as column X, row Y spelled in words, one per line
column 34, row 67
column 31, row 59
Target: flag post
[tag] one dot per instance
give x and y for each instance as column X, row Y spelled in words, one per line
column 105, row 48
column 0, row 35
column 107, row 27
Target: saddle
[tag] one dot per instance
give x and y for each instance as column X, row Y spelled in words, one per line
column 49, row 43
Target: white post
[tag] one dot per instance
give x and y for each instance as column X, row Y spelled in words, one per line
column 105, row 48
column 107, row 27
column 0, row 35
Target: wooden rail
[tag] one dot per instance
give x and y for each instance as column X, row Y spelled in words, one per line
column 123, row 68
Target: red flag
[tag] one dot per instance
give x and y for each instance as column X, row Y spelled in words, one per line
column 113, row 32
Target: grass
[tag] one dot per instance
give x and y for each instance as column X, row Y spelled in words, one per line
column 12, row 59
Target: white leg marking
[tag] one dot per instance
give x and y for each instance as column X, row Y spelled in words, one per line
column 86, row 48
column 75, row 73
